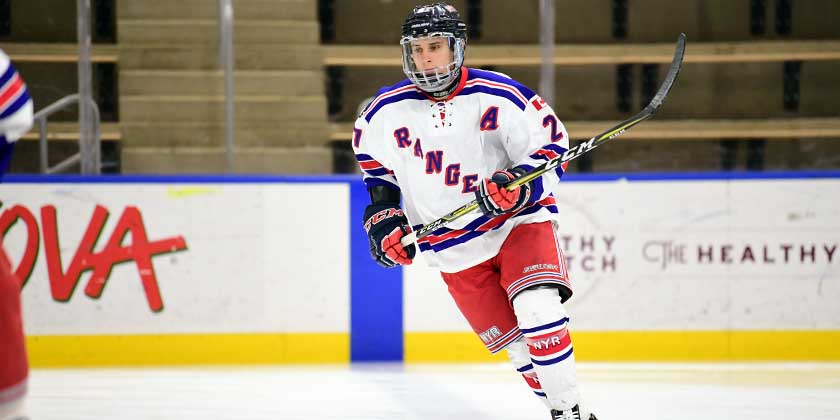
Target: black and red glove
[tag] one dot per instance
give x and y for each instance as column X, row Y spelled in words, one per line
column 493, row 199
column 386, row 224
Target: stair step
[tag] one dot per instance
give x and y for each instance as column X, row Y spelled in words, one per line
column 256, row 56
column 198, row 134
column 267, row 109
column 69, row 131
column 204, row 31
column 208, row 9
column 211, row 82
column 154, row 160
column 43, row 52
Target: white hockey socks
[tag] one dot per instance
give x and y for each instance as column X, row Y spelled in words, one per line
column 543, row 320
column 13, row 410
column 521, row 359
column 12, row 401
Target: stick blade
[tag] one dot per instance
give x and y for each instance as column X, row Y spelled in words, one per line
column 673, row 71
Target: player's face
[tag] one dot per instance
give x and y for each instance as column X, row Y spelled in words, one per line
column 431, row 53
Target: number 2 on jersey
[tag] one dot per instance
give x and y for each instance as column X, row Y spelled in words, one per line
column 555, row 136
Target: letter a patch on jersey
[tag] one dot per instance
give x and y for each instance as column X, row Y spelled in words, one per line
column 490, row 119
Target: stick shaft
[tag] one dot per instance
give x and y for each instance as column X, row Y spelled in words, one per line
column 574, row 152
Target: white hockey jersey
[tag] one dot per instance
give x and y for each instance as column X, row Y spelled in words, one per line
column 437, row 151
column 15, row 110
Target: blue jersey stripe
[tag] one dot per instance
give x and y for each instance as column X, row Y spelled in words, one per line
column 495, row 92
column 361, row 156
column 537, row 190
column 452, row 242
column 466, row 237
column 368, row 112
column 377, row 172
column 411, row 94
column 7, row 75
column 498, row 78
column 552, row 147
column 556, row 148
column 473, row 225
column 385, row 89
column 473, row 74
column 17, row 104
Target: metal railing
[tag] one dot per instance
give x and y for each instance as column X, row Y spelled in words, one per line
column 226, row 63
column 547, row 50
column 40, row 119
column 89, row 120
column 90, row 163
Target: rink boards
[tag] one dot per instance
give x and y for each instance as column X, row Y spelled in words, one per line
column 229, row 270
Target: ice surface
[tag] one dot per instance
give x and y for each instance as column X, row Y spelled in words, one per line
column 455, row 391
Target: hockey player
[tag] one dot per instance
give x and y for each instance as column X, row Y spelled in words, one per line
column 448, row 134
column 15, row 121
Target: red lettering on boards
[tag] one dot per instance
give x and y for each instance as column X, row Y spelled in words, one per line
column 63, row 282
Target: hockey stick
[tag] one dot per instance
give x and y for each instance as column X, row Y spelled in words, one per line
column 573, row 152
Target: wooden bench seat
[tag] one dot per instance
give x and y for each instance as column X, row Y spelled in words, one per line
column 589, row 54
column 689, row 129
column 69, row 131
column 58, row 53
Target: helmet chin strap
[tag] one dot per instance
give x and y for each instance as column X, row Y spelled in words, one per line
column 449, row 89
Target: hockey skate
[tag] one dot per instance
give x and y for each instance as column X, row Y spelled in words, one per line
column 571, row 414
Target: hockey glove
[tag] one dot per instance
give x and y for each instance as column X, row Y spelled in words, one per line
column 493, row 199
column 386, row 225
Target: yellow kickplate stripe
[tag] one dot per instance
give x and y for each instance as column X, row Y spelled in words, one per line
column 187, row 349
column 305, row 348
column 448, row 347
column 648, row 346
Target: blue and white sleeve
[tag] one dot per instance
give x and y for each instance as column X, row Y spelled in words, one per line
column 16, row 110
column 371, row 162
column 538, row 136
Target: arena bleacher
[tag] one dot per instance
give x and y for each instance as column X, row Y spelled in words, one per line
column 756, row 90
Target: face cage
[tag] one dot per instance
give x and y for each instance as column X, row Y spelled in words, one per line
column 439, row 78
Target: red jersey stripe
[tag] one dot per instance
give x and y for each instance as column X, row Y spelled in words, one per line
column 11, row 91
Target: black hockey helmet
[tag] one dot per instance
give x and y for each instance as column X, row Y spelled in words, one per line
column 432, row 18
column 431, row 21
